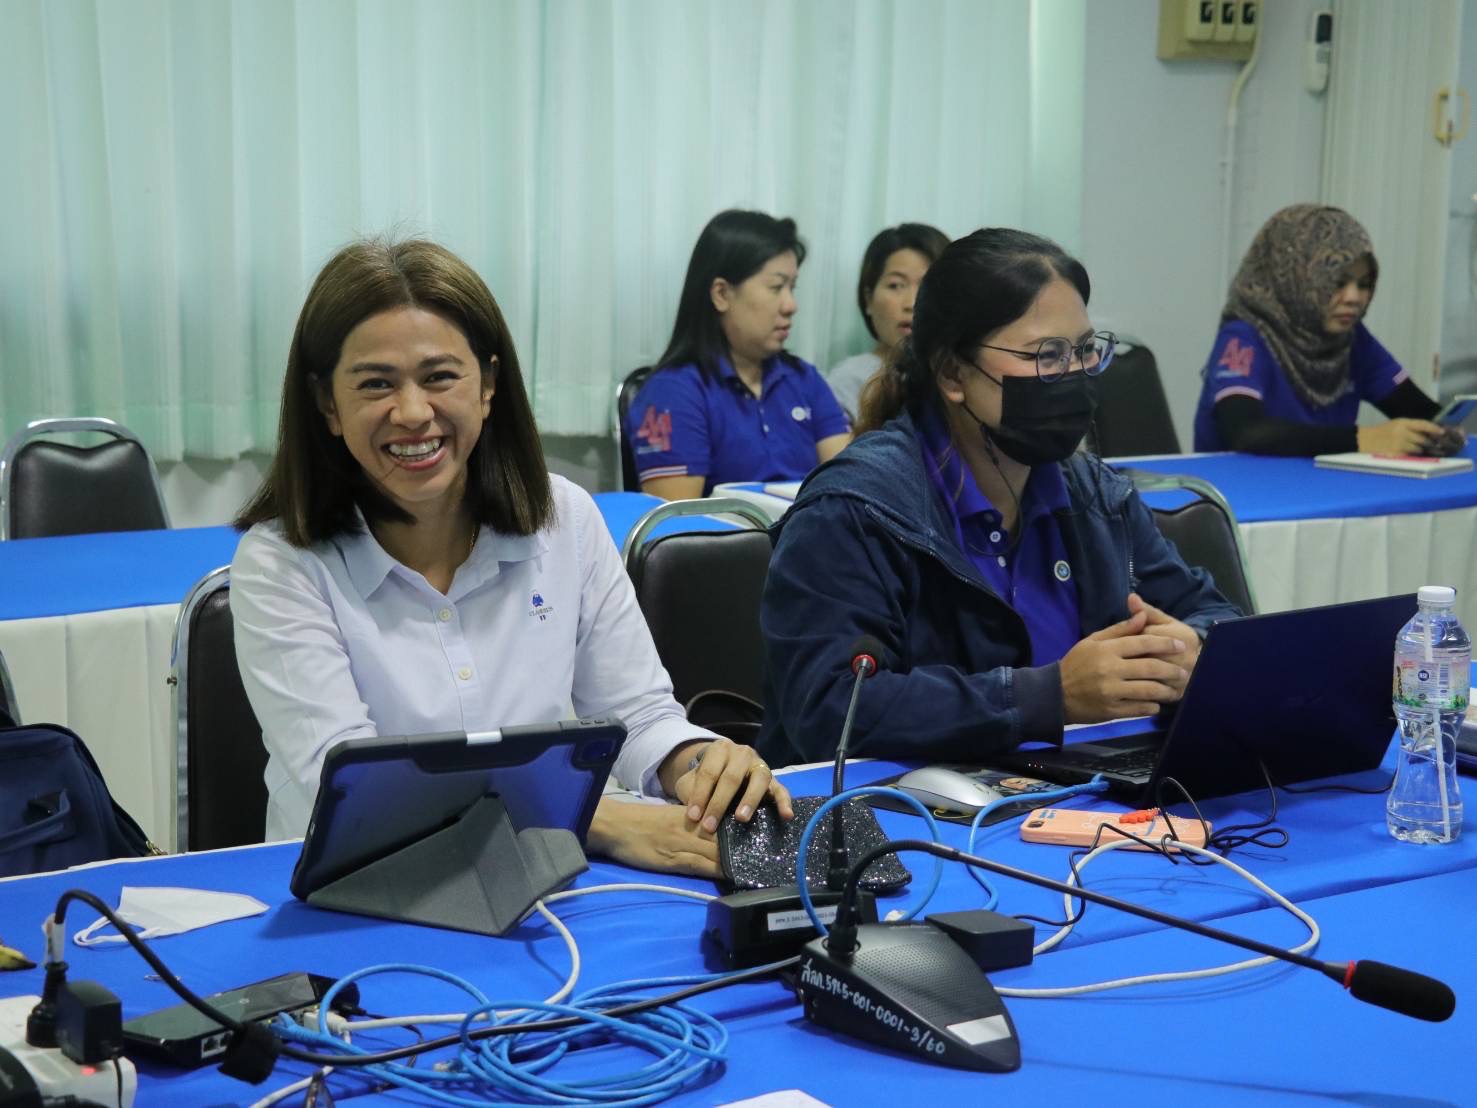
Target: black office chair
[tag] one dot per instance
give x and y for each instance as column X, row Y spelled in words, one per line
column 700, row 592
column 1133, row 415
column 222, row 798
column 52, row 488
column 10, row 709
column 625, row 393
column 1204, row 531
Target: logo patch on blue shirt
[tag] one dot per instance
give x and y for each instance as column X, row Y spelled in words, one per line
column 540, row 609
column 1062, row 570
column 799, row 413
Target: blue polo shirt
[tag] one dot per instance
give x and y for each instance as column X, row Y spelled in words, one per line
column 684, row 424
column 1242, row 365
column 1035, row 578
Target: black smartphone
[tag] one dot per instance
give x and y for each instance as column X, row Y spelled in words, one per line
column 187, row 1038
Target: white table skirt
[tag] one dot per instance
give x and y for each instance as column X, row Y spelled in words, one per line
column 104, row 674
column 1302, row 563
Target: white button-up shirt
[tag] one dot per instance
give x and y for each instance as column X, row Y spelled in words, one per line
column 340, row 641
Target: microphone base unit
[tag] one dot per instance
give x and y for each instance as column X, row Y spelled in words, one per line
column 911, row 988
column 756, row 926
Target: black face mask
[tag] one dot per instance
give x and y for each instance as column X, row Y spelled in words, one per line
column 1041, row 421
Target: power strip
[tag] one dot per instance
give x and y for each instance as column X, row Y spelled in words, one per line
column 55, row 1074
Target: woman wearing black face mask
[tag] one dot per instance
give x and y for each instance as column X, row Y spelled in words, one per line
column 1017, row 586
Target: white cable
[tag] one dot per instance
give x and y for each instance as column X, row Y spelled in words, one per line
column 1228, row 158
column 564, row 933
column 1314, row 934
column 296, row 1087
column 629, row 887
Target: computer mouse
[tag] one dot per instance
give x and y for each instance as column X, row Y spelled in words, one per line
column 949, row 789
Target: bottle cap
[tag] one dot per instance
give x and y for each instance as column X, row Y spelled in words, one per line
column 1439, row 595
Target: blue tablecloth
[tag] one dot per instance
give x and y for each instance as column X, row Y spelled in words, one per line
column 1262, row 489
column 1226, row 1041
column 90, row 573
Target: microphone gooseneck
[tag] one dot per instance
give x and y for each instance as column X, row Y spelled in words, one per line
column 1399, row 990
column 864, row 654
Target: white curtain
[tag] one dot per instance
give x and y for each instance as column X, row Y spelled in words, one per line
column 1382, row 163
column 177, row 172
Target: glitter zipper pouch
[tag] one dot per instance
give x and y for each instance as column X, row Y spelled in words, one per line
column 761, row 854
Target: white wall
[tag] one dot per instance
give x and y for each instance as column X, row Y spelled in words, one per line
column 1152, row 198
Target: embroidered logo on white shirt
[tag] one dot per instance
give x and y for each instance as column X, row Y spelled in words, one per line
column 540, row 609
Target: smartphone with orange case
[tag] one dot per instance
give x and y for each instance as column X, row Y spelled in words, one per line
column 1070, row 827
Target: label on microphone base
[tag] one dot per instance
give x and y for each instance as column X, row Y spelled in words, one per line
column 797, row 919
column 985, row 1030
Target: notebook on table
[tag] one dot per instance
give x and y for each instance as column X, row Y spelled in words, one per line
column 1305, row 694
column 1394, row 465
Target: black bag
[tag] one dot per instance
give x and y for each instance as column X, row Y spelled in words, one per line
column 55, row 810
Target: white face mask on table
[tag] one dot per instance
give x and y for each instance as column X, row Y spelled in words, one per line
column 156, row 911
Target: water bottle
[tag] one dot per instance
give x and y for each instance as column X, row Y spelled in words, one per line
column 1433, row 659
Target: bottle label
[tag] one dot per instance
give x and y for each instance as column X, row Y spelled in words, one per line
column 1443, row 684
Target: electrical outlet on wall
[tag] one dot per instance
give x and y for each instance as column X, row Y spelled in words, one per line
column 1247, row 19
column 1200, row 20
column 1216, row 30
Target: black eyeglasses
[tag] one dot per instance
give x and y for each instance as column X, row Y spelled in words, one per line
column 1054, row 357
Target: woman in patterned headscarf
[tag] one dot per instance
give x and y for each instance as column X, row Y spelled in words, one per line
column 1293, row 360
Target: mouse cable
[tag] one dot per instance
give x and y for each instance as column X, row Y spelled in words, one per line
column 1096, row 786
column 1308, row 944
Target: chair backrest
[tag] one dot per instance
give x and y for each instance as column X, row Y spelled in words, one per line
column 1133, row 415
column 1205, row 533
column 625, row 393
column 52, row 488
column 10, row 709
column 700, row 592
column 220, row 758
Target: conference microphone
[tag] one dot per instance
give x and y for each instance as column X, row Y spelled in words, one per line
column 864, row 654
column 753, row 926
column 912, row 988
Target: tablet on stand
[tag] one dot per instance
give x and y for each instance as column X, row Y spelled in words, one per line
column 464, row 831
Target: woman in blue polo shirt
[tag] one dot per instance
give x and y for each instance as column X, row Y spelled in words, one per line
column 1293, row 359
column 727, row 402
column 1015, row 585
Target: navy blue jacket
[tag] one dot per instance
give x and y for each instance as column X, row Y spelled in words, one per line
column 868, row 549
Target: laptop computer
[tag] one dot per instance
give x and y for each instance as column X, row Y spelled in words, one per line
column 1305, row 694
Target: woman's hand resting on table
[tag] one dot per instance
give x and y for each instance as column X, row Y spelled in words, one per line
column 682, row 838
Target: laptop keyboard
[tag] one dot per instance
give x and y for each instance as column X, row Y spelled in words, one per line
column 1132, row 763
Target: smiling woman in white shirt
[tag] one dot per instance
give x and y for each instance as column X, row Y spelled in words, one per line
column 411, row 566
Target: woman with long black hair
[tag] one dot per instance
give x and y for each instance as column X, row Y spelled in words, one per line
column 728, row 402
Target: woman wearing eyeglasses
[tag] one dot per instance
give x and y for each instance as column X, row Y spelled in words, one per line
column 1015, row 585
column 1293, row 359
